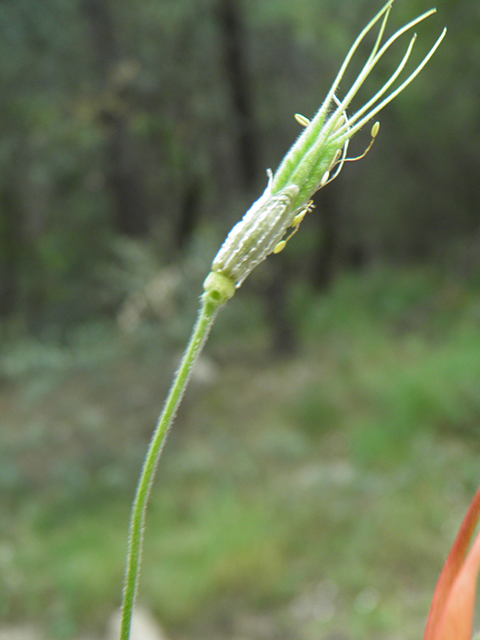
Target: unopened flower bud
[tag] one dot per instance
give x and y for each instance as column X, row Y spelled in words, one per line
column 315, row 159
column 255, row 237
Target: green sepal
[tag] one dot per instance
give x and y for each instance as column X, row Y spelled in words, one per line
column 219, row 287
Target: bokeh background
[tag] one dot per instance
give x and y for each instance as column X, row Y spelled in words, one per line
column 328, row 446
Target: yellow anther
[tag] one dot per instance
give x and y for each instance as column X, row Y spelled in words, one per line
column 295, row 224
column 374, row 132
column 302, row 120
column 325, row 178
column 280, row 246
column 299, row 217
column 336, row 158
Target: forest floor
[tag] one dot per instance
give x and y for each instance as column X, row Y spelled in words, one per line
column 313, row 497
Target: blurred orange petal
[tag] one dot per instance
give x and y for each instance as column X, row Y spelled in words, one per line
column 451, row 613
column 456, row 620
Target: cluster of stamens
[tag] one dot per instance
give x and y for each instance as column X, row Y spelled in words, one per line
column 328, row 176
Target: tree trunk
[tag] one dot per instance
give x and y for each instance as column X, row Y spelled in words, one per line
column 284, row 340
column 325, row 259
column 130, row 209
column 130, row 203
column 234, row 42
column 188, row 213
column 10, row 249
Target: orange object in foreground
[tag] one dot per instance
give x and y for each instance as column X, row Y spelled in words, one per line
column 453, row 605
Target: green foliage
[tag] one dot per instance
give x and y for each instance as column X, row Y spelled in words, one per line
column 319, row 492
column 409, row 357
column 310, row 494
column 164, row 90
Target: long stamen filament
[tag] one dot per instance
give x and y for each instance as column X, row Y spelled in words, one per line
column 358, row 114
column 379, row 36
column 367, row 69
column 339, row 163
column 374, row 57
column 401, row 31
column 398, row 90
column 316, row 132
column 331, row 125
column 351, row 53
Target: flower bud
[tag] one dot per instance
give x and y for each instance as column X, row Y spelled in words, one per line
column 314, row 160
column 255, row 237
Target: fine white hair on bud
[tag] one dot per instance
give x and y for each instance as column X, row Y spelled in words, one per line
column 258, row 233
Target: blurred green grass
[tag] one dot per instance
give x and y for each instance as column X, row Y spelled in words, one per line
column 320, row 492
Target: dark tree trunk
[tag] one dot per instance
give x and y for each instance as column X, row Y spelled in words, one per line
column 283, row 333
column 10, row 249
column 130, row 209
column 234, row 42
column 130, row 204
column 325, row 260
column 99, row 17
column 188, row 213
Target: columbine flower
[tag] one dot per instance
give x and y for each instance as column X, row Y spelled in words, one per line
column 451, row 614
column 315, row 159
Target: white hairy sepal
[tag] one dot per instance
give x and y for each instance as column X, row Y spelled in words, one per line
column 257, row 234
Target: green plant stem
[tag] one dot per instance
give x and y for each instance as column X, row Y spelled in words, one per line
column 210, row 305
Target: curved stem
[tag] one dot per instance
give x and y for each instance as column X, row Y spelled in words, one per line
column 206, row 317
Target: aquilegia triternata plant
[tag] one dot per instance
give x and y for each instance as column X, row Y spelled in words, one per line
column 314, row 160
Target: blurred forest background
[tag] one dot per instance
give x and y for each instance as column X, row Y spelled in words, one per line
column 329, row 444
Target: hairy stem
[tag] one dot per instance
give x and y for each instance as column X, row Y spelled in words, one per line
column 208, row 311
